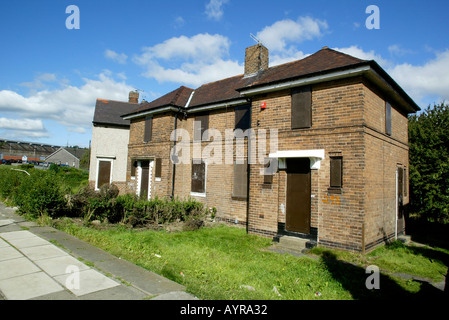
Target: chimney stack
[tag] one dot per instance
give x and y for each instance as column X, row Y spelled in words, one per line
column 256, row 59
column 134, row 97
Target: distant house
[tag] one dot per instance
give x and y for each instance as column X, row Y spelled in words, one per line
column 110, row 137
column 63, row 156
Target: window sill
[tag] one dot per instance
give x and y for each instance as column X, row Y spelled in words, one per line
column 197, row 194
column 334, row 190
column 239, row 198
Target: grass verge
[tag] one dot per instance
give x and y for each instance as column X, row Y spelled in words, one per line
column 225, row 263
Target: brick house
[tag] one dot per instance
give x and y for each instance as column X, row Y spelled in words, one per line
column 325, row 155
column 109, row 146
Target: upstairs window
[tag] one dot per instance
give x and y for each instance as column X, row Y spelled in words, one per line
column 148, row 129
column 301, row 107
column 201, row 124
column 243, row 117
column 388, row 118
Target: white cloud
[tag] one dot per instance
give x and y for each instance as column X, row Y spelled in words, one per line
column 114, row 56
column 214, row 9
column 428, row 79
column 69, row 106
column 357, row 52
column 21, row 124
column 189, row 60
column 282, row 37
column 40, row 81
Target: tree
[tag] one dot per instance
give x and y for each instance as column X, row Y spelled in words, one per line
column 429, row 163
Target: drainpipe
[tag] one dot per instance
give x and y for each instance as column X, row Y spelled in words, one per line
column 174, row 151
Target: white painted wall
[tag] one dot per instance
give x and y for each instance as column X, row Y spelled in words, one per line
column 109, row 143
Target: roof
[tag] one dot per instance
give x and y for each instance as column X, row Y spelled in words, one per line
column 59, row 151
column 322, row 62
column 176, row 98
column 108, row 112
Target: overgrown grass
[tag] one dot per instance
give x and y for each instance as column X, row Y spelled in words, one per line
column 223, row 263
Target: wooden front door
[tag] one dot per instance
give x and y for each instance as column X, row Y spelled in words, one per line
column 298, row 195
column 400, row 198
column 104, row 173
column 144, row 178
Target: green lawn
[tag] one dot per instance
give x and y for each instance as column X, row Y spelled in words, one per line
column 224, row 263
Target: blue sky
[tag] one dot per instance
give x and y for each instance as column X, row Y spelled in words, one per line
column 51, row 76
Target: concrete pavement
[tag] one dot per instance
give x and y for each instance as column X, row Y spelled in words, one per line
column 43, row 263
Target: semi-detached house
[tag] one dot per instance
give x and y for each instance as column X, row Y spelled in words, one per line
column 325, row 155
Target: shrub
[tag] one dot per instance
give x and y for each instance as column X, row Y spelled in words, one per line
column 10, row 182
column 40, row 194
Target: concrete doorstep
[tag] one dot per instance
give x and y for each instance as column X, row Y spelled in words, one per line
column 32, row 266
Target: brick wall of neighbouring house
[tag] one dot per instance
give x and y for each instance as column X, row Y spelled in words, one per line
column 219, row 178
column 158, row 147
column 219, row 182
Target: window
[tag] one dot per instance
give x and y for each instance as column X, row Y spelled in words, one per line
column 301, row 107
column 198, row 177
column 336, row 174
column 405, row 182
column 148, row 129
column 133, row 168
column 268, row 176
column 240, row 188
column 201, row 124
column 158, row 170
column 388, row 118
column 243, row 117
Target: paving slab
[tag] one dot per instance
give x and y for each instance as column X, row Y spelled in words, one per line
column 6, row 222
column 28, row 242
column 16, row 267
column 8, row 253
column 85, row 282
column 61, row 265
column 14, row 235
column 43, row 252
column 29, row 286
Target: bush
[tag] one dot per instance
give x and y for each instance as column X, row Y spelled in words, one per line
column 40, row 194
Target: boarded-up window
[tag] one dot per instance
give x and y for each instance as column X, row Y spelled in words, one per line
column 301, row 112
column 133, row 168
column 336, row 172
column 148, row 129
column 405, row 182
column 201, row 124
column 240, row 189
column 198, row 176
column 388, row 118
column 104, row 173
column 242, row 117
column 158, row 169
column 268, row 176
